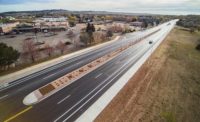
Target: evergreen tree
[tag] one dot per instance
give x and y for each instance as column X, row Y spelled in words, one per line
column 90, row 29
column 8, row 55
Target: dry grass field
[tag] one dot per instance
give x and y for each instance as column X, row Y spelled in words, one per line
column 165, row 89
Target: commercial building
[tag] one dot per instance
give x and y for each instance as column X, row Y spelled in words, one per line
column 136, row 24
column 51, row 23
column 8, row 27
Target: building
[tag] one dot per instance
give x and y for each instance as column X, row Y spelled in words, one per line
column 8, row 27
column 10, row 17
column 24, row 27
column 52, row 19
column 51, row 23
column 136, row 24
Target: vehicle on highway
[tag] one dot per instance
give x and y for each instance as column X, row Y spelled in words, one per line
column 150, row 42
column 169, row 24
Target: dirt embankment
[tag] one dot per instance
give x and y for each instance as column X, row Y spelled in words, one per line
column 165, row 89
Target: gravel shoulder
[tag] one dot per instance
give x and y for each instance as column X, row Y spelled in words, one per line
column 165, row 89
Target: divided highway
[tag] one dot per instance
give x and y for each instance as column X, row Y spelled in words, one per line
column 69, row 103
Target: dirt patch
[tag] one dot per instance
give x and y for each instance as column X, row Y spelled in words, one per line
column 165, row 89
column 46, row 89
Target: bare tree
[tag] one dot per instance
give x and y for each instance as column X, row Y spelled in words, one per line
column 71, row 35
column 97, row 37
column 30, row 49
column 49, row 50
column 84, row 38
column 77, row 41
column 61, row 46
column 103, row 36
column 116, row 28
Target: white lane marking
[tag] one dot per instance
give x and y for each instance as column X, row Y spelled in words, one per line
column 46, row 70
column 39, row 73
column 3, row 97
column 96, row 87
column 98, row 75
column 98, row 90
column 49, row 76
column 79, row 62
column 63, row 99
column 117, row 62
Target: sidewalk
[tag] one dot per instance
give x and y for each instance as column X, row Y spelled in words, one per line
column 4, row 80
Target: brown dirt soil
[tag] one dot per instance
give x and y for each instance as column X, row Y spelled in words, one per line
column 165, row 89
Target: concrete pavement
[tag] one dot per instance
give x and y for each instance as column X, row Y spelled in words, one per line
column 72, row 101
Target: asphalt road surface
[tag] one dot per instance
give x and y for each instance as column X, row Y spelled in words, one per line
column 69, row 103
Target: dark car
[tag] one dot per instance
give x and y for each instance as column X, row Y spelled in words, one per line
column 150, row 42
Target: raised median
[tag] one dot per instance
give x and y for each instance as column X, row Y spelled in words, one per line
column 60, row 83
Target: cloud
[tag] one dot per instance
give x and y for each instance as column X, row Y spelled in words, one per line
column 102, row 5
column 10, row 2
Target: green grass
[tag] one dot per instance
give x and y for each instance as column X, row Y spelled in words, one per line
column 184, row 75
column 169, row 116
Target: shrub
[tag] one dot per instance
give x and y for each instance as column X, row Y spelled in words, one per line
column 198, row 47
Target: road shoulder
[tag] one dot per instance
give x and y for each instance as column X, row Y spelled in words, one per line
column 166, row 88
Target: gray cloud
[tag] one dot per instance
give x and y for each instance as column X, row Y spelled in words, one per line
column 10, row 2
column 103, row 5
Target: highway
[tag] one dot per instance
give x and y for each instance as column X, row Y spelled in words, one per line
column 69, row 103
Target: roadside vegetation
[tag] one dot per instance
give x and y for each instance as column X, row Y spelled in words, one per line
column 35, row 45
column 167, row 86
column 191, row 22
column 8, row 56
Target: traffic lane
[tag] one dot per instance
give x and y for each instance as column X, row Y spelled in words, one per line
column 54, row 76
column 72, row 116
column 9, row 107
column 61, row 64
column 75, row 109
column 84, row 104
column 82, row 109
column 51, row 101
column 107, row 46
column 15, row 99
column 52, row 72
column 41, row 106
column 17, row 102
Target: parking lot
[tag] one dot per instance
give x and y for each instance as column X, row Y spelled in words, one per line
column 16, row 41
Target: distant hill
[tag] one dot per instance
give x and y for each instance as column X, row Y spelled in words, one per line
column 62, row 11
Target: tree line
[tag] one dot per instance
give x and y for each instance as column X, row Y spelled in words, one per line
column 190, row 21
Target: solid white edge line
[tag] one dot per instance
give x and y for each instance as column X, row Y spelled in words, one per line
column 49, row 76
column 98, row 75
column 52, row 64
column 95, row 109
column 95, row 89
column 3, row 97
column 63, row 99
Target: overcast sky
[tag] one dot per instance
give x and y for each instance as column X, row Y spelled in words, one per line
column 133, row 6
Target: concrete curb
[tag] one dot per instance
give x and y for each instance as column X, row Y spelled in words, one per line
column 95, row 109
column 30, row 70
